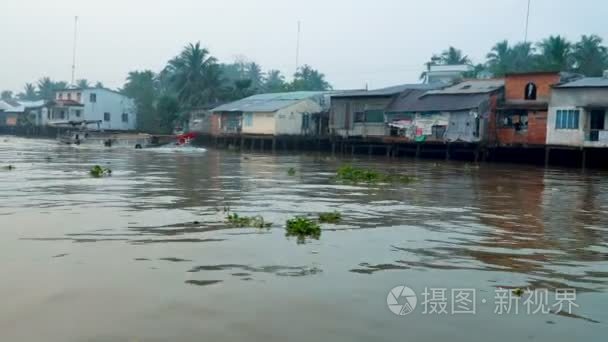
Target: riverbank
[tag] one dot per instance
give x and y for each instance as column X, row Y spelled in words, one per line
column 545, row 156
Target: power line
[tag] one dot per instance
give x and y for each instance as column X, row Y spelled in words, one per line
column 527, row 22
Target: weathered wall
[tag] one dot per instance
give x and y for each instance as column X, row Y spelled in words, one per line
column 568, row 98
column 515, row 85
column 260, row 123
column 341, row 116
column 109, row 102
column 536, row 134
column 289, row 119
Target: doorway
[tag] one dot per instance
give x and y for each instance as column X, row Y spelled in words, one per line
column 596, row 124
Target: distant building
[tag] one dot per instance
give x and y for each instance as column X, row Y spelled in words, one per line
column 458, row 113
column 361, row 113
column 578, row 113
column 16, row 112
column 113, row 110
column 446, row 74
column 291, row 113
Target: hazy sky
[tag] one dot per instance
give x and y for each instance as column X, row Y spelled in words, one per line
column 380, row 42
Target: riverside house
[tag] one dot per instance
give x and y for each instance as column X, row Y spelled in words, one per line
column 457, row 113
column 292, row 113
column 522, row 117
column 578, row 113
column 361, row 113
column 113, row 110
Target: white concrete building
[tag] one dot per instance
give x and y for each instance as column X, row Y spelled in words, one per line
column 110, row 109
column 578, row 113
column 446, row 74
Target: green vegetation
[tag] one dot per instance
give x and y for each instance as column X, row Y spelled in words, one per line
column 291, row 171
column 98, row 171
column 518, row 292
column 331, row 217
column 247, row 221
column 8, row 167
column 303, row 227
column 348, row 173
column 588, row 56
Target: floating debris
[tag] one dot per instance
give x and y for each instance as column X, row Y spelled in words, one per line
column 330, row 217
column 98, row 171
column 351, row 174
column 8, row 167
column 247, row 221
column 518, row 292
column 303, row 227
column 291, row 171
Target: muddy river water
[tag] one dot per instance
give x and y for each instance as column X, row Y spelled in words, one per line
column 146, row 255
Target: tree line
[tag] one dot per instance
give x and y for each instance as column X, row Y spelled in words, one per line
column 196, row 79
column 44, row 89
column 588, row 56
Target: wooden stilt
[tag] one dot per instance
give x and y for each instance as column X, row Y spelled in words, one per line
column 447, row 152
column 274, row 145
column 418, row 148
column 583, row 159
column 547, row 156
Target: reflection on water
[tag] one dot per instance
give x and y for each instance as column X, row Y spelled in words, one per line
column 116, row 258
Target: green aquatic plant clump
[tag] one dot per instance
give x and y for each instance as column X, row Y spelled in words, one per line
column 291, row 171
column 348, row 173
column 303, row 227
column 247, row 221
column 98, row 171
column 8, row 167
column 331, row 217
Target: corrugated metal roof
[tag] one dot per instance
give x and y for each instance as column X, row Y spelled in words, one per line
column 270, row 102
column 385, row 92
column 471, row 87
column 419, row 101
column 587, row 82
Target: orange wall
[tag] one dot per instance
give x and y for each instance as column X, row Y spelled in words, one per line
column 515, row 85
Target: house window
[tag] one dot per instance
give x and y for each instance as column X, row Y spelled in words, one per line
column 93, row 97
column 78, row 97
column 77, row 113
column 374, row 116
column 62, row 115
column 567, row 119
column 248, row 119
column 530, row 91
column 69, row 96
column 59, row 96
column 125, row 117
column 106, row 116
column 516, row 119
column 359, row 117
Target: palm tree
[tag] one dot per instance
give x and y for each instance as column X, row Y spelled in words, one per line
column 524, row 59
column 555, row 54
column 99, row 85
column 46, row 89
column 141, row 86
column 453, row 56
column 500, row 59
column 82, row 83
column 6, row 95
column 29, row 93
column 307, row 78
column 253, row 72
column 590, row 56
column 194, row 75
column 274, row 82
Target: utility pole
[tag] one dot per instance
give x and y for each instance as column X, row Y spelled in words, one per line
column 527, row 22
column 298, row 49
column 74, row 50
